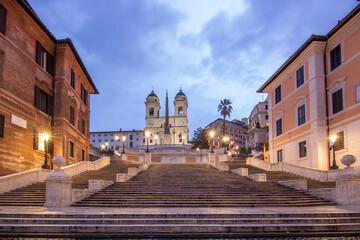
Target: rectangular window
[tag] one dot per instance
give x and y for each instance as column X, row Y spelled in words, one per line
column 72, row 115
column 279, row 154
column 71, row 149
column 278, row 94
column 72, row 79
column 266, row 117
column 302, row 149
column 266, row 107
column 337, row 101
column 44, row 59
column 82, row 155
column 43, row 101
column 131, row 144
column 279, row 127
column 131, row 137
column 335, row 57
column 2, row 19
column 143, row 140
column 300, row 77
column 2, row 125
column 301, row 115
column 83, row 126
column 84, row 95
column 339, row 143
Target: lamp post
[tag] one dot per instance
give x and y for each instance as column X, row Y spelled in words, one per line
column 183, row 139
column 225, row 140
column 333, row 139
column 45, row 136
column 106, row 145
column 237, row 150
column 147, row 134
column 103, row 148
column 123, row 139
column 231, row 143
column 116, row 141
column 212, row 133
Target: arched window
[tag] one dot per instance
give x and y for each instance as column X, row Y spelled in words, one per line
column 151, row 112
column 180, row 110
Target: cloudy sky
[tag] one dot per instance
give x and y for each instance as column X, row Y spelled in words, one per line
column 213, row 49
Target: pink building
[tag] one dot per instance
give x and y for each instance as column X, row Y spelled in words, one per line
column 316, row 94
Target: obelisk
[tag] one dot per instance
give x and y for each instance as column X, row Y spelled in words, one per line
column 167, row 135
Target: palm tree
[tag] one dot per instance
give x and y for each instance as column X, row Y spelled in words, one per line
column 225, row 109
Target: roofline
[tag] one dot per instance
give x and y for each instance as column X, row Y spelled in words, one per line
column 117, row 131
column 26, row 6
column 291, row 59
column 225, row 122
column 313, row 38
column 78, row 59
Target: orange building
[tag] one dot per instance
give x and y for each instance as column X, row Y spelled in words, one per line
column 44, row 87
column 316, row 94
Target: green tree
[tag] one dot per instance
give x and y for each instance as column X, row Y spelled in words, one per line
column 225, row 109
column 200, row 139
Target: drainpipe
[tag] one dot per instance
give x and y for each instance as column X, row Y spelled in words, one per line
column 327, row 106
column 53, row 108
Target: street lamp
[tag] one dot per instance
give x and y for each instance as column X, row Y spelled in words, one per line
column 156, row 137
column 45, row 136
column 147, row 134
column 212, row 133
column 116, row 141
column 237, row 150
column 103, row 148
column 106, row 144
column 333, row 139
column 183, row 139
column 231, row 143
column 225, row 139
column 123, row 139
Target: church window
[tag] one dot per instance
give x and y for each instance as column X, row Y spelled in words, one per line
column 180, row 110
column 151, row 112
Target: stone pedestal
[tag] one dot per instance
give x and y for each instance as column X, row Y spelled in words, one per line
column 167, row 139
column 212, row 158
column 348, row 184
column 123, row 156
column 147, row 158
column 58, row 186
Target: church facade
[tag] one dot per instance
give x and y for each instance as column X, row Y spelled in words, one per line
column 166, row 129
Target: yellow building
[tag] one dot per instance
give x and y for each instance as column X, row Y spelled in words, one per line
column 316, row 94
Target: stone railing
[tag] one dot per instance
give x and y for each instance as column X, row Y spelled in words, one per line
column 312, row 173
column 22, row 179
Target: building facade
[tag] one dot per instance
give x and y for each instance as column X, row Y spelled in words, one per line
column 257, row 133
column 44, row 88
column 155, row 124
column 316, row 94
column 235, row 130
column 113, row 139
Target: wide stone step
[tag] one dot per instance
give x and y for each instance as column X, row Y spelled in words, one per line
column 157, row 220
column 189, row 205
column 153, row 229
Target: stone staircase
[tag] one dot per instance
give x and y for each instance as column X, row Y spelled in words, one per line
column 35, row 194
column 196, row 185
column 181, row 225
column 276, row 176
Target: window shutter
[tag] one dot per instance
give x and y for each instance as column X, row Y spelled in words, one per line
column 2, row 125
column 2, row 19
column 38, row 53
column 37, row 97
column 50, row 64
column 50, row 105
column 35, row 139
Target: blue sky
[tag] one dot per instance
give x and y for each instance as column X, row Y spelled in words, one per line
column 213, row 49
